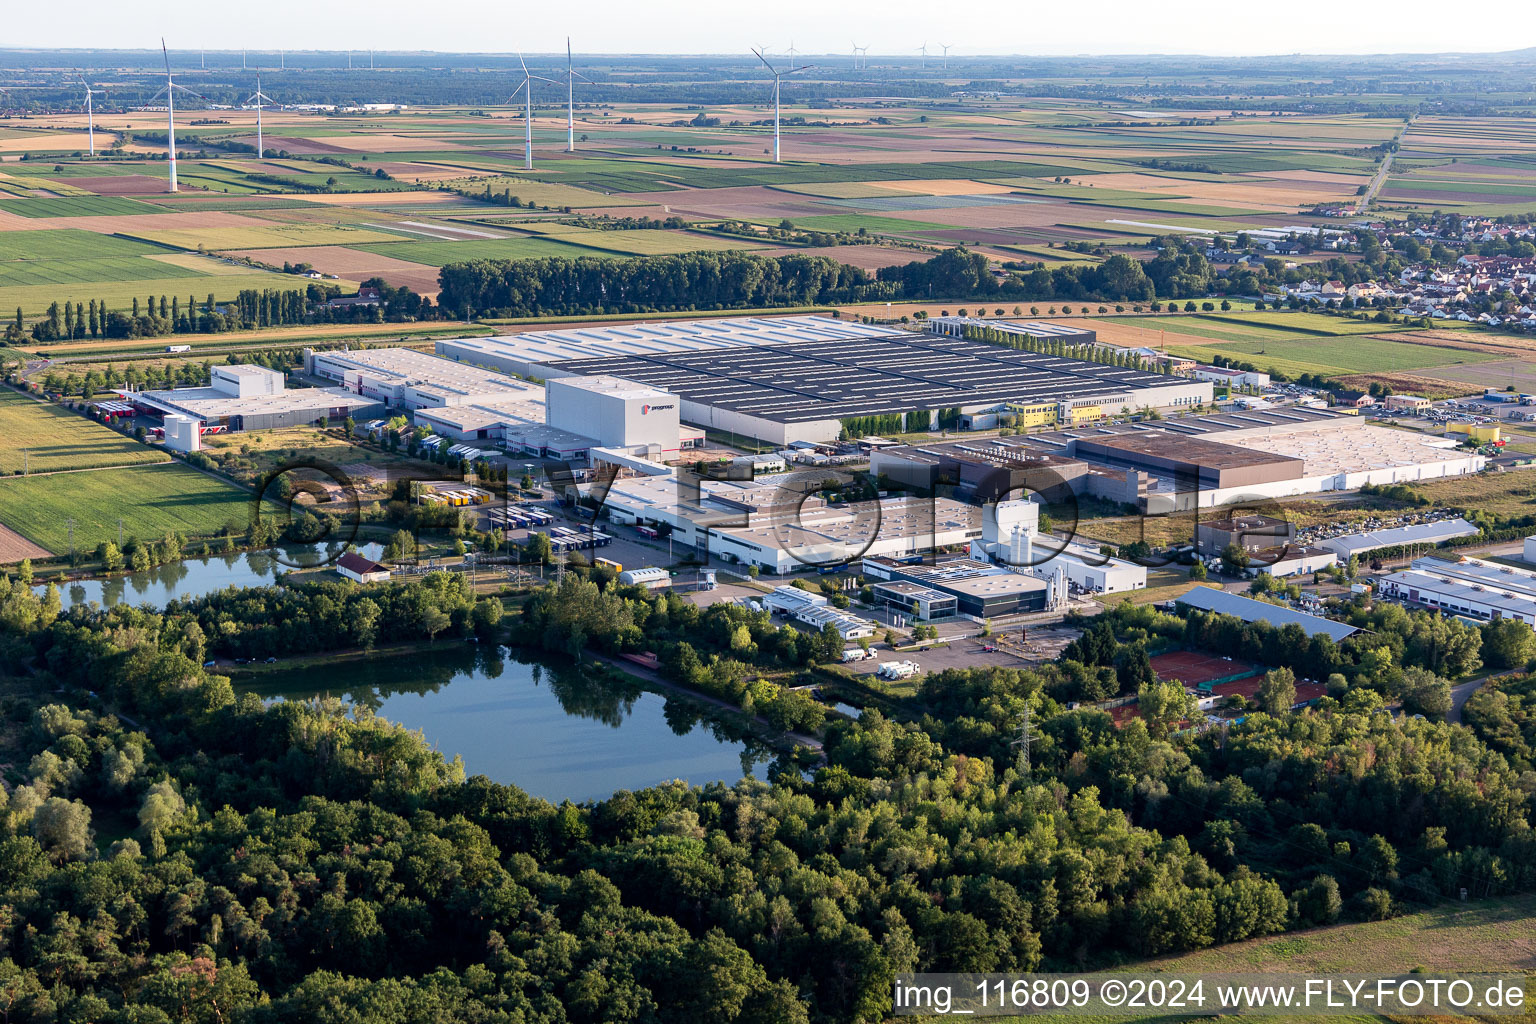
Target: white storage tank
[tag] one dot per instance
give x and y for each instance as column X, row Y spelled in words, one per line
column 183, row 433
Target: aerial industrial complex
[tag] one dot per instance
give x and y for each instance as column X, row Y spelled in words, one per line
column 784, row 379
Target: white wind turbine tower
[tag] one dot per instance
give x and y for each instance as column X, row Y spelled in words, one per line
column 90, row 117
column 777, row 74
column 570, row 97
column 860, row 51
column 170, row 106
column 259, row 96
column 922, row 51
column 527, row 90
column 946, row 55
column 791, row 51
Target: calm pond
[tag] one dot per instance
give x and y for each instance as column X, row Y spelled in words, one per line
column 194, row 577
column 556, row 732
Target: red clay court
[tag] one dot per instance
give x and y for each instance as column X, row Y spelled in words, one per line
column 1194, row 667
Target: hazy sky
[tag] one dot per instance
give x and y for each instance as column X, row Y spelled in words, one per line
column 815, row 26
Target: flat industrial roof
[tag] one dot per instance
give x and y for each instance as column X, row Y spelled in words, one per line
column 1417, row 533
column 1250, row 610
column 1193, row 450
column 1034, row 328
column 1512, row 602
column 822, row 380
column 667, row 336
column 1366, row 447
column 211, row 403
column 614, row 387
column 1279, row 420
column 449, row 380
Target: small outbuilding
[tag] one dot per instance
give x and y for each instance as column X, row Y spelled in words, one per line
column 361, row 570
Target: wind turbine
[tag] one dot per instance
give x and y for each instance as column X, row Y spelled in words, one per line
column 170, row 106
column 923, row 51
column 242, row 60
column 282, row 60
column 258, row 96
column 90, row 118
column 946, row 55
column 570, row 98
column 777, row 74
column 527, row 90
column 791, row 51
column 860, row 51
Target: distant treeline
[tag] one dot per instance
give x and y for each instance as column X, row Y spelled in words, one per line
column 741, row 280
column 698, row 280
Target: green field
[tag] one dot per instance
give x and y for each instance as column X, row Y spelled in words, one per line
column 1331, row 356
column 873, row 223
column 437, row 254
column 1488, row 936
column 44, row 437
column 19, row 273
column 77, row 206
column 69, row 244
column 34, row 299
column 641, row 242
column 151, row 501
column 275, row 237
column 1305, row 323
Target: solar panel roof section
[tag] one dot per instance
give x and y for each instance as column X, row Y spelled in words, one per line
column 854, row 376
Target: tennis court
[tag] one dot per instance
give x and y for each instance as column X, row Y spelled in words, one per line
column 1194, row 668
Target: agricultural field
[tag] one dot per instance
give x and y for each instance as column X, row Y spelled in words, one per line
column 42, row 437
column 69, row 244
column 34, row 299
column 263, row 237
column 437, row 254
column 151, row 501
column 77, row 206
column 1293, row 343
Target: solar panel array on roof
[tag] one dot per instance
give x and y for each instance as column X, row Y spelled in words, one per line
column 834, row 378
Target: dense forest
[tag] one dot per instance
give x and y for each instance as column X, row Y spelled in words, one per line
column 171, row 851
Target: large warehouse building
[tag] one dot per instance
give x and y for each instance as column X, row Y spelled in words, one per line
column 470, row 403
column 774, row 524
column 246, row 397
column 1243, row 456
column 784, row 379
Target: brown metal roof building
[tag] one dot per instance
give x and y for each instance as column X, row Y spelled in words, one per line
column 1211, row 463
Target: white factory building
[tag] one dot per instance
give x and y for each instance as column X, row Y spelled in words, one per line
column 1229, row 377
column 1470, row 587
column 773, row 524
column 249, row 397
column 564, row 420
column 1010, row 536
column 814, row 611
